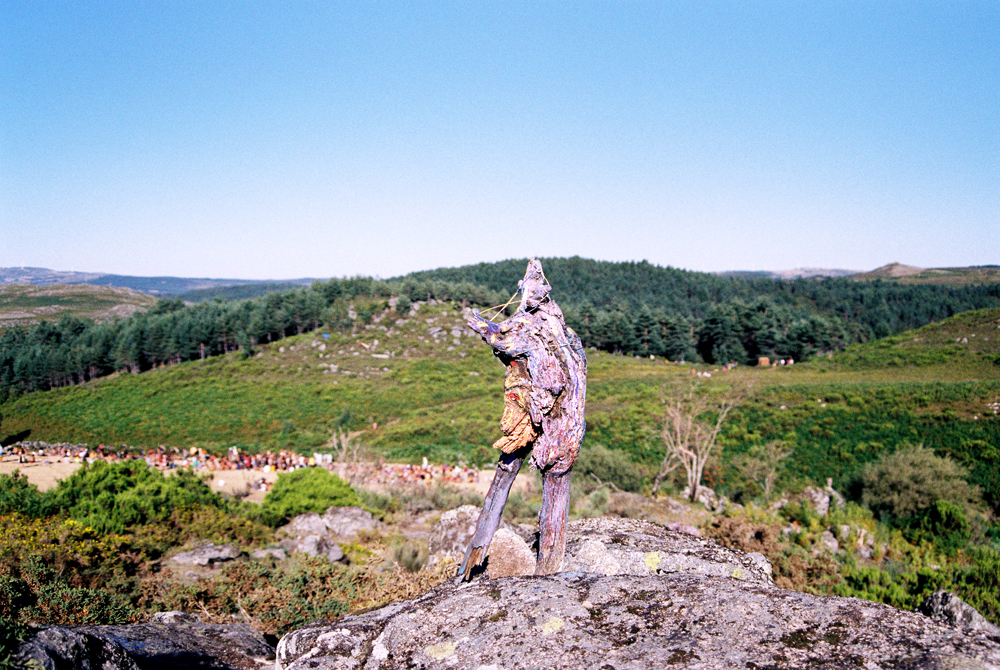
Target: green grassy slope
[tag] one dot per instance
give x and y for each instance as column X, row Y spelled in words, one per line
column 26, row 304
column 434, row 391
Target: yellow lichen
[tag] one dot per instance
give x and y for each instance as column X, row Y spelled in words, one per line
column 552, row 625
column 439, row 652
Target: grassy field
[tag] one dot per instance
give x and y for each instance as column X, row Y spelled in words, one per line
column 424, row 386
column 27, row 304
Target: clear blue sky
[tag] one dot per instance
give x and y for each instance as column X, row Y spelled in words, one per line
column 286, row 139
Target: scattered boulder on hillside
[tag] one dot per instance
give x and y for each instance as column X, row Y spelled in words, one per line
column 314, row 545
column 313, row 534
column 820, row 499
column 350, row 521
column 451, row 535
column 338, row 521
column 305, row 524
column 816, row 498
column 510, row 555
column 277, row 553
column 183, row 643
column 641, row 597
column 710, row 499
column 208, row 555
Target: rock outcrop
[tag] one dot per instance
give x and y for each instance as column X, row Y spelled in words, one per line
column 172, row 642
column 451, row 535
column 951, row 610
column 636, row 596
column 344, row 522
column 208, row 555
column 314, row 534
column 633, row 595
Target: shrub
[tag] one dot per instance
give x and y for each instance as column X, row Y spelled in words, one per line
column 18, row 496
column 409, row 554
column 610, row 466
column 111, row 497
column 979, row 582
column 593, row 505
column 944, row 523
column 307, row 490
column 14, row 597
column 905, row 589
column 909, row 482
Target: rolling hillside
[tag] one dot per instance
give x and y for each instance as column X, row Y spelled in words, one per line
column 157, row 286
column 26, row 304
column 420, row 385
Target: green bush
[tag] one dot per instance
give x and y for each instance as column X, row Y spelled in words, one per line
column 111, row 497
column 610, row 466
column 979, row 582
column 306, row 490
column 277, row 597
column 14, row 598
column 943, row 523
column 909, row 482
column 903, row 589
column 18, row 496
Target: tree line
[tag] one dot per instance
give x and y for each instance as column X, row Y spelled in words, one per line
column 866, row 309
column 631, row 308
column 73, row 350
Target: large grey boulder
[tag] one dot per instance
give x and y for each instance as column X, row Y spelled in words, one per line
column 149, row 646
column 337, row 521
column 310, row 523
column 58, row 647
column 452, row 533
column 637, row 596
column 949, row 609
column 313, row 533
column 314, row 545
column 350, row 521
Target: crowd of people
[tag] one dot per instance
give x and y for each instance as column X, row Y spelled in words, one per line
column 283, row 460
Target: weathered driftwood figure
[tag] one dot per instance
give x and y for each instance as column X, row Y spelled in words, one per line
column 545, row 387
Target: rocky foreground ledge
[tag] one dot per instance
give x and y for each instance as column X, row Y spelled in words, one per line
column 635, row 596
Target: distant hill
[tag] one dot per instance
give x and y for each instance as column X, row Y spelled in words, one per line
column 241, row 291
column 27, row 304
column 908, row 274
column 797, row 273
column 168, row 286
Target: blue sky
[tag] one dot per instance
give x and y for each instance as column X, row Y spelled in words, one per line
column 281, row 140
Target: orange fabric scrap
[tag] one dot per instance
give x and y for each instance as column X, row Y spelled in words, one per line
column 516, row 423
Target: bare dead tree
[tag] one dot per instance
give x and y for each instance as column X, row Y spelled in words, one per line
column 692, row 419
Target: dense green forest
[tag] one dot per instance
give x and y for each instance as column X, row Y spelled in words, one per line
column 634, row 308
column 864, row 309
